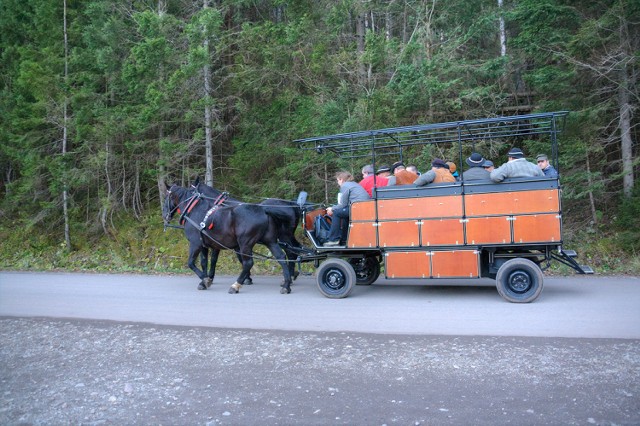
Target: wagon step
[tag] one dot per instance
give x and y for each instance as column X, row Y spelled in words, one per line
column 566, row 257
column 586, row 269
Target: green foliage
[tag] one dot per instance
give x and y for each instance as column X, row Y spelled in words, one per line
column 282, row 70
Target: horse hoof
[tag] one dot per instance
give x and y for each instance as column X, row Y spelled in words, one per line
column 201, row 286
column 235, row 288
column 208, row 282
column 285, row 290
column 248, row 281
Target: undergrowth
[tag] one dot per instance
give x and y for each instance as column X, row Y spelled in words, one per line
column 143, row 247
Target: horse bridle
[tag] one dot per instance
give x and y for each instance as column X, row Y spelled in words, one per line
column 169, row 216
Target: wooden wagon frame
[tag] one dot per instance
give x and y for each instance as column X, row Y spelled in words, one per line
column 508, row 231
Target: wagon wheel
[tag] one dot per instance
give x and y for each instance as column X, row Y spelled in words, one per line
column 335, row 278
column 367, row 270
column 519, row 281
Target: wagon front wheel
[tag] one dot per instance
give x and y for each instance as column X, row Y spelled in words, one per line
column 335, row 278
column 519, row 281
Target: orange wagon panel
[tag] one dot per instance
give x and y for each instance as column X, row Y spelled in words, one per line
column 399, row 234
column 425, row 207
column 489, row 230
column 442, row 232
column 450, row 264
column 414, row 264
column 541, row 201
column 536, row 228
column 363, row 210
column 362, row 234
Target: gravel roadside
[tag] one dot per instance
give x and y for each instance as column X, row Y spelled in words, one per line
column 97, row 372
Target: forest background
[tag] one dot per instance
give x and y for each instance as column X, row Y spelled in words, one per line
column 102, row 102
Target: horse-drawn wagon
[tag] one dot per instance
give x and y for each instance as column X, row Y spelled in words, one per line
column 467, row 230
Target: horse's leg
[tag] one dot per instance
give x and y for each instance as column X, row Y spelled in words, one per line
column 279, row 254
column 204, row 259
column 247, row 280
column 246, row 258
column 212, row 266
column 194, row 251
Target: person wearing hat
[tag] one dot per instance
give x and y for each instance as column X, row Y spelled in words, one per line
column 516, row 166
column 439, row 173
column 370, row 180
column 548, row 170
column 488, row 166
column 402, row 175
column 476, row 171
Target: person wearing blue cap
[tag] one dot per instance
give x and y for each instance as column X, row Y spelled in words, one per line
column 516, row 166
column 488, row 166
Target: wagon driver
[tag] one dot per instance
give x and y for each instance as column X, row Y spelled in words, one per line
column 350, row 192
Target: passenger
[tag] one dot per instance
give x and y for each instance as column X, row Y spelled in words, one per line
column 350, row 192
column 413, row 168
column 476, row 170
column 548, row 170
column 370, row 180
column 402, row 175
column 488, row 166
column 453, row 169
column 385, row 172
column 516, row 166
column 438, row 173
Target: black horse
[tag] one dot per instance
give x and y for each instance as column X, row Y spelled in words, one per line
column 238, row 228
column 287, row 215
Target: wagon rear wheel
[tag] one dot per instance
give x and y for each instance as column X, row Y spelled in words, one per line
column 519, row 281
column 367, row 270
column 335, row 278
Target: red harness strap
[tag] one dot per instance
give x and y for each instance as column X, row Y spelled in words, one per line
column 190, row 205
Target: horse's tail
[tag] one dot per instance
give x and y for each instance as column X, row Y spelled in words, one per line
column 287, row 216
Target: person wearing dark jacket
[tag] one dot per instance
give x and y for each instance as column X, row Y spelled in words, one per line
column 476, row 168
column 547, row 169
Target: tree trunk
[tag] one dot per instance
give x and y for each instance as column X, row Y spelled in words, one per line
column 624, row 105
column 161, row 168
column 65, row 193
column 360, row 31
column 207, row 112
column 503, row 33
column 592, row 202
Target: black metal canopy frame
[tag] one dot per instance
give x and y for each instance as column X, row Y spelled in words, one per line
column 393, row 141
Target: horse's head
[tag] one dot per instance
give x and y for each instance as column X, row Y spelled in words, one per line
column 172, row 201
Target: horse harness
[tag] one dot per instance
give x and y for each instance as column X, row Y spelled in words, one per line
column 192, row 202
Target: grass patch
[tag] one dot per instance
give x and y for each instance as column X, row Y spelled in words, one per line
column 143, row 247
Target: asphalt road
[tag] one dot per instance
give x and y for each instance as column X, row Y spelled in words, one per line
column 579, row 306
column 134, row 349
